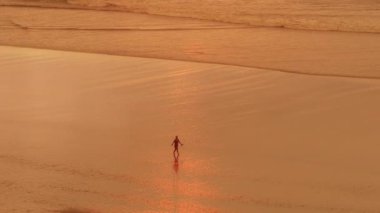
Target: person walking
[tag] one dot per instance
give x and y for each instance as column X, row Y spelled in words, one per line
column 175, row 143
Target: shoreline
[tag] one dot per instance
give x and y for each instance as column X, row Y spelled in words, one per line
column 374, row 78
column 297, row 21
column 305, row 52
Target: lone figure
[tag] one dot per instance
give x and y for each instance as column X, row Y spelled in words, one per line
column 175, row 143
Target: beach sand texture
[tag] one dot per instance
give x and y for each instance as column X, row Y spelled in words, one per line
column 277, row 103
column 92, row 133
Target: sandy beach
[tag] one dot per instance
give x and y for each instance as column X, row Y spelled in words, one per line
column 277, row 104
column 92, row 133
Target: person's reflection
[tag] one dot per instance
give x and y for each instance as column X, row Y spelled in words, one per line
column 176, row 165
column 176, row 198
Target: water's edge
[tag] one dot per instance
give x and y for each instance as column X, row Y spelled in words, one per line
column 309, row 16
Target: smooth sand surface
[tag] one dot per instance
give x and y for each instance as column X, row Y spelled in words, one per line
column 119, row 33
column 85, row 133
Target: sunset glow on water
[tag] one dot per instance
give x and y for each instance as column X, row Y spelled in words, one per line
column 80, row 138
column 275, row 105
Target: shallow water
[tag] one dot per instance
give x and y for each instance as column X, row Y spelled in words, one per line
column 295, row 51
column 343, row 15
column 92, row 133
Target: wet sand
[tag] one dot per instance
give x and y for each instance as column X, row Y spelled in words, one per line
column 92, row 133
column 281, row 116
